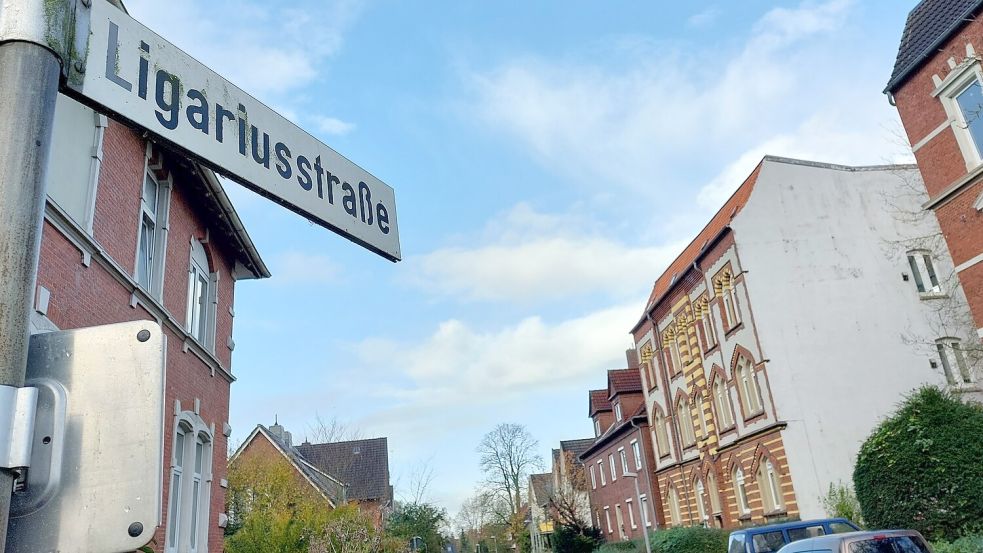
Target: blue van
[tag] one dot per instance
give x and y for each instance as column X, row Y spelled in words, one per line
column 771, row 538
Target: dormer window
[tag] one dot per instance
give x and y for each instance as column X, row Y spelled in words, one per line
column 617, row 412
column 597, row 427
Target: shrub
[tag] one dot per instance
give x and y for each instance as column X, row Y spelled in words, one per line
column 690, row 540
column 921, row 467
column 967, row 544
column 568, row 540
column 841, row 502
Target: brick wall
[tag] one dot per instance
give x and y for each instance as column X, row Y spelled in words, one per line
column 87, row 296
column 942, row 163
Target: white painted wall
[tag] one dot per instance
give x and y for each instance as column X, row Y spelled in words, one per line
column 832, row 310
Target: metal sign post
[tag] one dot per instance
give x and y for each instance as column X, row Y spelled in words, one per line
column 28, row 90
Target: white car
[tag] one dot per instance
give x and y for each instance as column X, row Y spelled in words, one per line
column 880, row 541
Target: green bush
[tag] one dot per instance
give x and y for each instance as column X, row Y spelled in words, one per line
column 921, row 468
column 967, row 544
column 568, row 540
column 841, row 502
column 675, row 540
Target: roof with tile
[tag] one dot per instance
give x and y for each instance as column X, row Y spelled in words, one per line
column 624, row 381
column 692, row 251
column 362, row 464
column 541, row 486
column 576, row 447
column 929, row 25
column 598, row 402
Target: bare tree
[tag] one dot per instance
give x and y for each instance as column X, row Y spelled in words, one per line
column 508, row 456
column 334, row 430
column 569, row 503
column 417, row 489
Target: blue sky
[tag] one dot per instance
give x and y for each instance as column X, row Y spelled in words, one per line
column 549, row 160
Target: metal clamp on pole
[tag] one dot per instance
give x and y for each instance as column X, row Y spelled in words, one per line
column 18, row 407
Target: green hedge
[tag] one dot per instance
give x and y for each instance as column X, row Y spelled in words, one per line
column 922, row 468
column 968, row 544
column 675, row 540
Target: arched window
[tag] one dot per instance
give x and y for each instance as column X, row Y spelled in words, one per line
column 701, row 496
column 721, row 399
column 202, row 295
column 191, row 476
column 674, row 512
column 714, row 493
column 770, row 487
column 685, row 421
column 705, row 316
column 740, row 490
column 724, row 286
column 661, row 437
column 673, row 359
column 748, row 385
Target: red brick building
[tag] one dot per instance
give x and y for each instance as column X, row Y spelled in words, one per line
column 133, row 231
column 622, row 446
column 936, row 86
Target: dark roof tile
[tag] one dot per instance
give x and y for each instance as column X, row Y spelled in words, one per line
column 929, row 25
column 598, row 402
column 362, row 464
column 624, row 381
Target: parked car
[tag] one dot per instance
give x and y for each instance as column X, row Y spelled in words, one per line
column 771, row 538
column 880, row 541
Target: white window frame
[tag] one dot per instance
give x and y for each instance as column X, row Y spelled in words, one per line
column 624, row 460
column 607, row 518
column 636, row 451
column 674, row 510
column 159, row 216
column 643, row 506
column 617, row 412
column 954, row 363
column 722, row 398
column 956, row 83
column 706, row 319
column 714, row 493
column 740, row 490
column 597, row 427
column 593, row 479
column 203, row 331
column 774, row 485
column 186, row 511
column 661, row 436
column 751, row 392
column 600, row 469
column 730, row 304
column 631, row 514
column 923, row 272
column 685, row 419
column 701, row 415
column 621, row 520
column 614, row 467
column 701, row 508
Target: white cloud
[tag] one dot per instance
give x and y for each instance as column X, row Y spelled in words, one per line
column 268, row 50
column 330, row 125
column 526, row 256
column 705, row 17
column 296, row 267
column 677, row 112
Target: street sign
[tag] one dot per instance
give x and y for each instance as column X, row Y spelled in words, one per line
column 133, row 72
column 96, row 473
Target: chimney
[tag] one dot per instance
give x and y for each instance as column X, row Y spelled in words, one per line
column 281, row 433
column 632, row 357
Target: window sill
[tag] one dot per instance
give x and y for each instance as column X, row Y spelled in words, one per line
column 777, row 513
column 712, row 349
column 932, row 296
column 755, row 417
column 733, row 329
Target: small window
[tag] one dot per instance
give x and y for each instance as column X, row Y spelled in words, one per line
column 643, row 506
column 661, row 435
column 631, row 514
column 614, row 471
column 624, row 461
column 637, row 453
column 607, row 518
column 721, row 399
column 600, row 469
column 674, row 512
column 970, row 102
column 685, row 420
column 750, row 393
column 954, row 363
column 154, row 198
column 202, row 295
column 701, row 508
column 923, row 272
column 597, row 427
column 617, row 411
column 189, row 497
column 740, row 488
column 768, row 542
column 770, row 487
column 796, row 534
column 593, row 480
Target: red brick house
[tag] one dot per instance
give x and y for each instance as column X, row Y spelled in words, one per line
column 133, row 231
column 936, row 86
column 354, row 471
column 622, row 446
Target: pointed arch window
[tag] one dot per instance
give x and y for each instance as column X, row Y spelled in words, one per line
column 740, row 490
column 705, row 316
column 714, row 492
column 661, row 436
column 747, row 383
column 701, row 495
column 674, row 512
column 685, row 419
column 770, row 487
column 724, row 286
column 701, row 416
column 721, row 400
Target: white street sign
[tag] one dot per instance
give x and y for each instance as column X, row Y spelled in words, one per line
column 133, row 72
